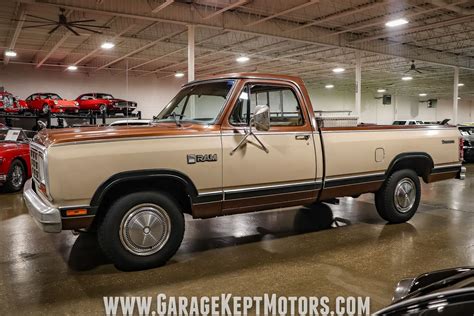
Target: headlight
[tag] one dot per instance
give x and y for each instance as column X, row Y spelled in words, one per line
column 76, row 103
column 402, row 289
column 55, row 102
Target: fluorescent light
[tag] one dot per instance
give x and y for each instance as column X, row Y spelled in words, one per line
column 406, row 78
column 329, row 86
column 381, row 90
column 179, row 74
column 423, row 94
column 396, row 22
column 338, row 70
column 460, row 84
column 107, row 45
column 459, row 98
column 242, row 59
column 10, row 53
column 72, row 68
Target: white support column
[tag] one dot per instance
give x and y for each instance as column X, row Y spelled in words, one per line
column 358, row 95
column 191, row 43
column 455, row 95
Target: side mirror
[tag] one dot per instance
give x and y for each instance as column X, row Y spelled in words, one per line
column 261, row 117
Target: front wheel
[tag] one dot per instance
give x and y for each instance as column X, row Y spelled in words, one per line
column 45, row 109
column 399, row 197
column 16, row 177
column 141, row 230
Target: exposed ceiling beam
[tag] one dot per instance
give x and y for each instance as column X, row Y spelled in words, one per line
column 97, row 49
column 293, row 8
column 227, row 8
column 16, row 33
column 452, row 7
column 162, row 6
column 142, row 48
column 181, row 15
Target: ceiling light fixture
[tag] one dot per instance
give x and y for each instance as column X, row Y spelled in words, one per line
column 329, row 86
column 396, row 22
column 459, row 98
column 107, row 45
column 179, row 74
column 406, row 78
column 460, row 84
column 242, row 59
column 423, row 94
column 338, row 70
column 381, row 90
column 10, row 53
column 72, row 68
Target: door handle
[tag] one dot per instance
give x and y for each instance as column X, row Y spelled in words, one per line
column 302, row 137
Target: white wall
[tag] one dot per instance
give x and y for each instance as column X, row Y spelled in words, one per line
column 152, row 94
column 402, row 107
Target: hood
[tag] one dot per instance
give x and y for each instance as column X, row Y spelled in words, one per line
column 48, row 137
column 10, row 146
column 66, row 102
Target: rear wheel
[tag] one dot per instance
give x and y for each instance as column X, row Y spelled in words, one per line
column 141, row 230
column 399, row 197
column 45, row 109
column 16, row 177
column 102, row 108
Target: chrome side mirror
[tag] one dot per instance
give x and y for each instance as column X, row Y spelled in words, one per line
column 261, row 117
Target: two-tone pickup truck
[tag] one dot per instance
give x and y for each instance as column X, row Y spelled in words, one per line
column 225, row 145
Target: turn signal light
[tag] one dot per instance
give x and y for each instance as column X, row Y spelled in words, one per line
column 78, row 212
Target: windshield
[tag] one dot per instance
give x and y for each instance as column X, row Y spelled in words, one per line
column 12, row 135
column 200, row 103
column 104, row 96
column 52, row 96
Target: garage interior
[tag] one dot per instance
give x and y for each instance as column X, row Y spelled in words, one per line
column 419, row 68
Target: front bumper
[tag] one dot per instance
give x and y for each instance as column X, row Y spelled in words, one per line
column 45, row 215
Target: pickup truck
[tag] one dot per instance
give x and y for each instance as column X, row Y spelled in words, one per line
column 225, row 145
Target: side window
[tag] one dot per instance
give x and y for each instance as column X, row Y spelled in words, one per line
column 412, row 123
column 285, row 109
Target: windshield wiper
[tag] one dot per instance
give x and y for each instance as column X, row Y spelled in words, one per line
column 176, row 117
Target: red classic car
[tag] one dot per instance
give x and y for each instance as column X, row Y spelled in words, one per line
column 105, row 102
column 11, row 104
column 15, row 165
column 46, row 102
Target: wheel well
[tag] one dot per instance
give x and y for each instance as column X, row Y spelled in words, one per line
column 421, row 163
column 174, row 187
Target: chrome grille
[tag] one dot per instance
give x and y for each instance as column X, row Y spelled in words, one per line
column 37, row 164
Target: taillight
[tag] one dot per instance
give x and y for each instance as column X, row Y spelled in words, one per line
column 461, row 149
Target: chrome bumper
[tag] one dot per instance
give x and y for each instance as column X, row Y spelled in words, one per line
column 461, row 174
column 45, row 215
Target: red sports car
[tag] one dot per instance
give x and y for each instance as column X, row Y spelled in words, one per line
column 15, row 165
column 11, row 104
column 51, row 102
column 104, row 102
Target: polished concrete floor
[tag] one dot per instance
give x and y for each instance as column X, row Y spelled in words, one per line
column 287, row 252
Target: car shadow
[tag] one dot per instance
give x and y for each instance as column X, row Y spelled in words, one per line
column 86, row 254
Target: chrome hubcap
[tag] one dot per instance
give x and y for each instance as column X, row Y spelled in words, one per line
column 17, row 176
column 405, row 195
column 145, row 229
column 45, row 109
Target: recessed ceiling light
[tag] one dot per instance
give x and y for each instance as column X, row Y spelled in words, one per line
column 460, row 84
column 107, row 45
column 396, row 22
column 381, row 90
column 329, row 86
column 423, row 94
column 242, row 59
column 406, row 78
column 10, row 53
column 338, row 70
column 72, row 68
column 179, row 74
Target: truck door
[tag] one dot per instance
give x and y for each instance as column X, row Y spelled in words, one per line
column 281, row 170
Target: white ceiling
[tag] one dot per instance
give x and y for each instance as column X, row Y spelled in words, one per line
column 302, row 37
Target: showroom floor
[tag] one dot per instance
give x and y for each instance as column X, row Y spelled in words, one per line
column 63, row 273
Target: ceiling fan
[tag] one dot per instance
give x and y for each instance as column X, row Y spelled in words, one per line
column 413, row 68
column 63, row 22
